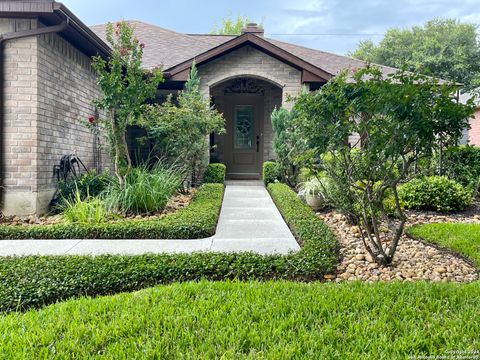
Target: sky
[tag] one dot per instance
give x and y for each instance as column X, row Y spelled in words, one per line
column 330, row 25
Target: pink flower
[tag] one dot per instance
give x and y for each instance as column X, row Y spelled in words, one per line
column 91, row 119
column 354, row 70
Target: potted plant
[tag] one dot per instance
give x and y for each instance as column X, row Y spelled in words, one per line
column 311, row 191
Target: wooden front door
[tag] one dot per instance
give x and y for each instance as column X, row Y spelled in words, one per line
column 244, row 138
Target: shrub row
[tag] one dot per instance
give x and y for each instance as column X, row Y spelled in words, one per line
column 39, row 280
column 197, row 220
column 215, row 174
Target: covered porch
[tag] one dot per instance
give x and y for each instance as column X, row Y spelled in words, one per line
column 247, row 103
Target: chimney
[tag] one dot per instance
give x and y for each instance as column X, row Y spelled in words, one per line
column 253, row 28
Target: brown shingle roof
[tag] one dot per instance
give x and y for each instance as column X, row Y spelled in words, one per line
column 168, row 48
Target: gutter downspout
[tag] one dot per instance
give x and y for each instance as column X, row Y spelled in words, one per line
column 3, row 38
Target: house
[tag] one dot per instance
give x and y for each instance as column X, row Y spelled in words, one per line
column 47, row 87
column 472, row 136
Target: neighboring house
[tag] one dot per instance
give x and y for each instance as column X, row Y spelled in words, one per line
column 472, row 135
column 48, row 86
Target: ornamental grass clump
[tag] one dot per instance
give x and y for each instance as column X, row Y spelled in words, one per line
column 83, row 210
column 146, row 190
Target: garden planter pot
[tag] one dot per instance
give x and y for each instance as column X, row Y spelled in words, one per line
column 314, row 201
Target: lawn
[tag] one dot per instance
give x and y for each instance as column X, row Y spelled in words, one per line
column 273, row 320
column 462, row 238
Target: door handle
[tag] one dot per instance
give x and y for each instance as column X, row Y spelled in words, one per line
column 258, row 143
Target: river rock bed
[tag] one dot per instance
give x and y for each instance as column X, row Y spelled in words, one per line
column 413, row 261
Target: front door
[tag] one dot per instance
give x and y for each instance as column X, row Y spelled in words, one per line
column 243, row 141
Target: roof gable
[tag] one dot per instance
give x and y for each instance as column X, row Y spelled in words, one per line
column 178, row 72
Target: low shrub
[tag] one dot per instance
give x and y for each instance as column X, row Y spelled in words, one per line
column 215, row 174
column 436, row 193
column 146, row 190
column 197, row 220
column 88, row 184
column 35, row 281
column 271, row 172
column 462, row 164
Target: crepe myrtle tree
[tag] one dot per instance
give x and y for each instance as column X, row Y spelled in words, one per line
column 125, row 90
column 399, row 118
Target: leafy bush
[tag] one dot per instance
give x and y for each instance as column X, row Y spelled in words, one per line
column 85, row 211
column 284, row 144
column 436, row 193
column 462, row 164
column 38, row 280
column 271, row 172
column 88, row 184
column 145, row 190
column 215, row 174
column 197, row 220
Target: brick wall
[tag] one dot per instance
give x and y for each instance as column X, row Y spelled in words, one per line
column 474, row 132
column 48, row 92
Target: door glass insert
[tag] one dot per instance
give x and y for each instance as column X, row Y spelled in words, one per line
column 243, row 134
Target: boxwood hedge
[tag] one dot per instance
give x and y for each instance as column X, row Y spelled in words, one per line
column 197, row 220
column 35, row 281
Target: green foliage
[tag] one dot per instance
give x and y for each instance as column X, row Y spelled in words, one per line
column 88, row 184
column 89, row 210
column 271, row 172
column 231, row 26
column 284, row 144
column 180, row 129
column 197, row 220
column 146, row 190
column 445, row 48
column 125, row 88
column 461, row 238
column 215, row 174
column 287, row 320
column 462, row 163
column 436, row 193
column 400, row 116
column 39, row 280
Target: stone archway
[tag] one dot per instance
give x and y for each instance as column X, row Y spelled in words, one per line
column 247, row 103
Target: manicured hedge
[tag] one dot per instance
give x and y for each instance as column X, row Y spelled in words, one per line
column 197, row 220
column 35, row 281
column 271, row 172
column 215, row 174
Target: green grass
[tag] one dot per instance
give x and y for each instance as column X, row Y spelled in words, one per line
column 234, row 320
column 461, row 238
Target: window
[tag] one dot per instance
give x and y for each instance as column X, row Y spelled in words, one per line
column 243, row 132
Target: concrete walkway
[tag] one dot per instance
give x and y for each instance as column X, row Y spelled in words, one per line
column 249, row 221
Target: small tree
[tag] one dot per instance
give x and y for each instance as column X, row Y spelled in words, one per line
column 284, row 143
column 179, row 128
column 126, row 88
column 399, row 119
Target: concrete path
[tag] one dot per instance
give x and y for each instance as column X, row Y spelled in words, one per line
column 249, row 221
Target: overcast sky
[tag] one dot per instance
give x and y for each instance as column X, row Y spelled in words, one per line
column 296, row 21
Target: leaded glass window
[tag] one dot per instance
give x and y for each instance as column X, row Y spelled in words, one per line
column 243, row 131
